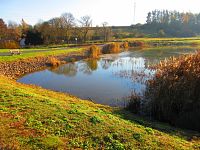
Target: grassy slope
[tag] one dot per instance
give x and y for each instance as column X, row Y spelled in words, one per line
column 33, row 118
column 37, row 52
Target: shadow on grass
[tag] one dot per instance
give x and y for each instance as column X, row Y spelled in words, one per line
column 163, row 127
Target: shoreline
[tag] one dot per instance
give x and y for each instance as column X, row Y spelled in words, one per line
column 16, row 69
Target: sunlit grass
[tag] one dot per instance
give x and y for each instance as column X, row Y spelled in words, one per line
column 35, row 118
column 164, row 39
column 37, row 53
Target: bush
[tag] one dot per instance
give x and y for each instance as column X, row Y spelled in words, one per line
column 10, row 44
column 54, row 62
column 124, row 45
column 173, row 95
column 111, row 48
column 94, row 51
column 136, row 44
column 95, row 120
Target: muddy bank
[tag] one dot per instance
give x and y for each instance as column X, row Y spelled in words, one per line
column 18, row 68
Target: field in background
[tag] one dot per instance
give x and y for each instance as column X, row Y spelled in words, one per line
column 30, row 53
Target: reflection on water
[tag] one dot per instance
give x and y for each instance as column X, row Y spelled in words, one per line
column 108, row 80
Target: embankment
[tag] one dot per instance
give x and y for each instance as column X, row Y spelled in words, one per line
column 16, row 69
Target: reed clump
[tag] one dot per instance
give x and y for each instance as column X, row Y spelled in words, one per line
column 136, row 44
column 94, row 51
column 134, row 103
column 54, row 62
column 174, row 93
column 124, row 45
column 111, row 48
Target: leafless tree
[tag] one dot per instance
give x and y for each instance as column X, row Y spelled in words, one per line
column 68, row 22
column 86, row 24
column 107, row 32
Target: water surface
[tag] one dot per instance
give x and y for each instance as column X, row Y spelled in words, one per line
column 109, row 80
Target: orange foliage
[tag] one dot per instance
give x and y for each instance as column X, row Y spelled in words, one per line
column 124, row 45
column 54, row 62
column 10, row 44
column 111, row 48
column 94, row 51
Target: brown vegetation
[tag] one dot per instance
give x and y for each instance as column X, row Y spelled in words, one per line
column 111, row 48
column 94, row 51
column 124, row 45
column 54, row 62
column 173, row 95
column 10, row 44
column 136, row 44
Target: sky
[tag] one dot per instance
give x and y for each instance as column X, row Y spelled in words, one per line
column 115, row 12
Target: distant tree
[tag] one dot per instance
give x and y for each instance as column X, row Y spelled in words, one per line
column 3, row 29
column 161, row 33
column 86, row 24
column 34, row 37
column 45, row 30
column 173, row 23
column 149, row 18
column 14, row 31
column 56, row 27
column 24, row 27
column 68, row 22
column 107, row 32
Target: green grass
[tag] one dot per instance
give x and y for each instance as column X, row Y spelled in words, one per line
column 172, row 41
column 35, row 118
column 30, row 53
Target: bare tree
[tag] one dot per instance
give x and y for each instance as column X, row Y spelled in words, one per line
column 68, row 22
column 56, row 29
column 86, row 23
column 106, row 31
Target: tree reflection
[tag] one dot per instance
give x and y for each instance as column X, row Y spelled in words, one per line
column 92, row 64
column 67, row 69
column 84, row 68
column 106, row 63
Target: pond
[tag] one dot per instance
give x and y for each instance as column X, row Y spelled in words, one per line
column 109, row 80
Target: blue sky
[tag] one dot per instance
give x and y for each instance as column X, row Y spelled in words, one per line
column 115, row 12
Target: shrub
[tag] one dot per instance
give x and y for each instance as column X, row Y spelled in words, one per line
column 54, row 62
column 138, row 137
column 95, row 120
column 136, row 44
column 111, row 48
column 94, row 51
column 10, row 44
column 173, row 95
column 124, row 45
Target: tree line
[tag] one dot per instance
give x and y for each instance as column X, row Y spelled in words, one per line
column 68, row 29
column 63, row 29
column 173, row 23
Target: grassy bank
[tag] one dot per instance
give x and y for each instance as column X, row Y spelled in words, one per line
column 30, row 53
column 35, row 118
column 193, row 41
